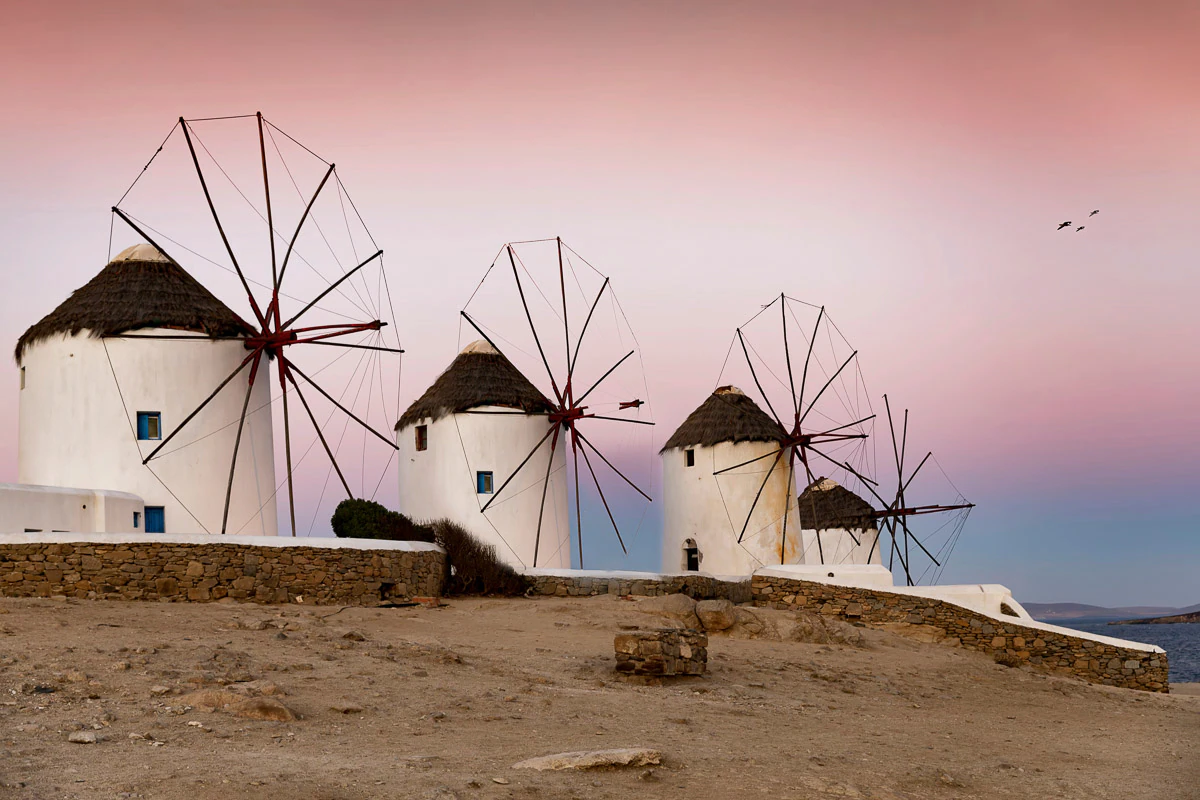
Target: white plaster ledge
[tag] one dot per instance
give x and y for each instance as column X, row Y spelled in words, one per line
column 280, row 542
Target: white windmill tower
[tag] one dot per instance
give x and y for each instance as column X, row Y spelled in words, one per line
column 465, row 437
column 728, row 429
column 523, row 465
column 144, row 381
column 107, row 375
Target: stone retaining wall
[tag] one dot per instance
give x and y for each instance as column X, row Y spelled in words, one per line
column 174, row 571
column 700, row 587
column 1011, row 643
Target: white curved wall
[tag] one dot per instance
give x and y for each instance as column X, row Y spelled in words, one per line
column 75, row 431
column 838, row 547
column 440, row 482
column 59, row 509
column 712, row 509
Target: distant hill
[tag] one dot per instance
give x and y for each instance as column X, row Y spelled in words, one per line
column 1050, row 612
column 1193, row 616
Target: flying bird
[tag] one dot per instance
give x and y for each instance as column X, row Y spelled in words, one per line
column 1066, row 224
column 1081, row 227
column 1094, row 213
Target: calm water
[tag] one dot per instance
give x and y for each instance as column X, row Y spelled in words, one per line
column 1181, row 641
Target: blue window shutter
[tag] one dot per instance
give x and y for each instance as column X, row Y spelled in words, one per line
column 143, row 420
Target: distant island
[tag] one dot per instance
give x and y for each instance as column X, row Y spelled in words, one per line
column 1194, row 616
column 1080, row 612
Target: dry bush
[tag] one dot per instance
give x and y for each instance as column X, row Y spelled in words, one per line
column 474, row 566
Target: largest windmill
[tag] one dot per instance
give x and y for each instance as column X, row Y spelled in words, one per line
column 143, row 380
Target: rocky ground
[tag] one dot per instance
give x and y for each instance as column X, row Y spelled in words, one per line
column 116, row 699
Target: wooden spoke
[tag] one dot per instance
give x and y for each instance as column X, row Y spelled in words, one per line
column 293, row 368
column 537, row 539
column 533, row 329
column 238, row 439
column 262, row 321
column 320, row 433
column 200, row 407
column 520, row 466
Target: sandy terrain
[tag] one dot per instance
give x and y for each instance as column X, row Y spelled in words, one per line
column 451, row 698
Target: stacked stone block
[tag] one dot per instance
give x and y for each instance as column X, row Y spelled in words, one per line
column 205, row 572
column 662, row 652
column 1010, row 643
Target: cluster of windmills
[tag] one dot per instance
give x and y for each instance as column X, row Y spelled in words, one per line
column 538, row 437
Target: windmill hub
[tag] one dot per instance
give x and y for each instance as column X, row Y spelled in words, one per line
column 567, row 415
column 798, row 439
column 272, row 341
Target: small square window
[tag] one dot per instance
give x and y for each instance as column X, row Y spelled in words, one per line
column 483, row 482
column 22, row 377
column 689, row 457
column 422, row 437
column 149, row 425
column 137, row 520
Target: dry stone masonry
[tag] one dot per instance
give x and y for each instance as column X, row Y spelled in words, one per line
column 700, row 587
column 662, row 652
column 1010, row 643
column 169, row 571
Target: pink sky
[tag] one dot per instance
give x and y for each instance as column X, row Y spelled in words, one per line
column 903, row 163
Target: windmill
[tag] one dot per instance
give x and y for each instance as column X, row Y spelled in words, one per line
column 340, row 303
column 897, row 511
column 794, row 352
column 557, row 318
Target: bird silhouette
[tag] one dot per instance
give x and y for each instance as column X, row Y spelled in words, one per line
column 1066, row 224
column 1094, row 213
column 1081, row 227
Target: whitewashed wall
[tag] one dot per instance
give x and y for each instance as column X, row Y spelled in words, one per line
column 439, row 482
column 839, row 547
column 75, row 431
column 712, row 509
column 54, row 509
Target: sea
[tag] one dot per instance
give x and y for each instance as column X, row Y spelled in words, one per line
column 1181, row 640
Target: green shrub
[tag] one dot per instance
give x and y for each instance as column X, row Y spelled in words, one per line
column 366, row 519
column 474, row 566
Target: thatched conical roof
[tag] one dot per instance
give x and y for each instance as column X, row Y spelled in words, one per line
column 478, row 376
column 728, row 415
column 140, row 288
column 836, row 507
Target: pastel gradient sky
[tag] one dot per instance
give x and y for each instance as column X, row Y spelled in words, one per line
column 904, row 163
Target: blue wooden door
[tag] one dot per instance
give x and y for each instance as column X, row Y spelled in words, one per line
column 156, row 521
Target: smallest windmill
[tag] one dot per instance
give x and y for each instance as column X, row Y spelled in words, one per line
column 904, row 545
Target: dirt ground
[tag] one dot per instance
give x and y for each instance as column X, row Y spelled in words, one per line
column 440, row 703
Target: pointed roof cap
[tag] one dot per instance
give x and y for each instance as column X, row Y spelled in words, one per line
column 826, row 505
column 728, row 415
column 140, row 288
column 478, row 376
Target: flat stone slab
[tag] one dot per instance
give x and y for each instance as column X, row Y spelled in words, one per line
column 594, row 759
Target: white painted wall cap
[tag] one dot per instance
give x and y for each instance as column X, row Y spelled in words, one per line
column 321, row 542
column 141, row 252
column 480, row 346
